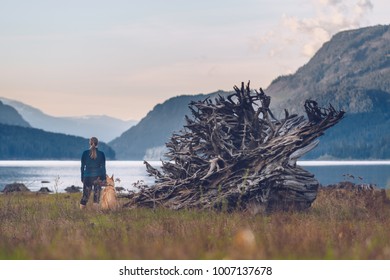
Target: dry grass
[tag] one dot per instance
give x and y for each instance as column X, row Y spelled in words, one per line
column 338, row 226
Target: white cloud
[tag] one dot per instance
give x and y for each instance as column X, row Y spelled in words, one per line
column 363, row 6
column 330, row 2
column 307, row 34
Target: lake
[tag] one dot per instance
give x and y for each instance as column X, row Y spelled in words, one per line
column 58, row 175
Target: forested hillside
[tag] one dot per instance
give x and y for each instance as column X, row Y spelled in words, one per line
column 18, row 142
column 358, row 136
column 347, row 71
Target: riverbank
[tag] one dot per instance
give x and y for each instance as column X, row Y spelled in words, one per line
column 339, row 225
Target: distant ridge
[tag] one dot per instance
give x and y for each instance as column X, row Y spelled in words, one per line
column 8, row 115
column 104, row 127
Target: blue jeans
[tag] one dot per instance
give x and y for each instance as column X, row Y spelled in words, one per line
column 89, row 183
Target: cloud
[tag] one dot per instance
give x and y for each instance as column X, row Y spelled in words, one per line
column 331, row 17
column 363, row 6
column 306, row 35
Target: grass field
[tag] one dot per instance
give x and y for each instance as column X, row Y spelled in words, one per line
column 338, row 226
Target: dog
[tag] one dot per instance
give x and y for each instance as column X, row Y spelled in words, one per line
column 108, row 199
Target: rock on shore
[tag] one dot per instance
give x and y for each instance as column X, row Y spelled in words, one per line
column 15, row 187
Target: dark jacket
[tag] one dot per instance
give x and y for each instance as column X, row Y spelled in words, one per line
column 93, row 167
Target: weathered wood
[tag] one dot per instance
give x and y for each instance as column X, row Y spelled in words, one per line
column 234, row 153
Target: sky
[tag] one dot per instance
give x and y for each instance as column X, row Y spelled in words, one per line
column 120, row 58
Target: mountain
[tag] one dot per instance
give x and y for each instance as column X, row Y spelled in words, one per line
column 105, row 128
column 351, row 71
column 8, row 115
column 147, row 139
column 342, row 72
column 25, row 143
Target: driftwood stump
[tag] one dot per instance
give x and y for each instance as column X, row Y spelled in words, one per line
column 234, row 154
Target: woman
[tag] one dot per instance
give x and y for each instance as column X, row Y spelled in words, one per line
column 93, row 171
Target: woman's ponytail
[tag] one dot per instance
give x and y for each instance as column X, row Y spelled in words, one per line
column 93, row 142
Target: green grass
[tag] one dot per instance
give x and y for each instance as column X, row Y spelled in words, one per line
column 53, row 227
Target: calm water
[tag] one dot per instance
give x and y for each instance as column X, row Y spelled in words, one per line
column 62, row 174
column 57, row 175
